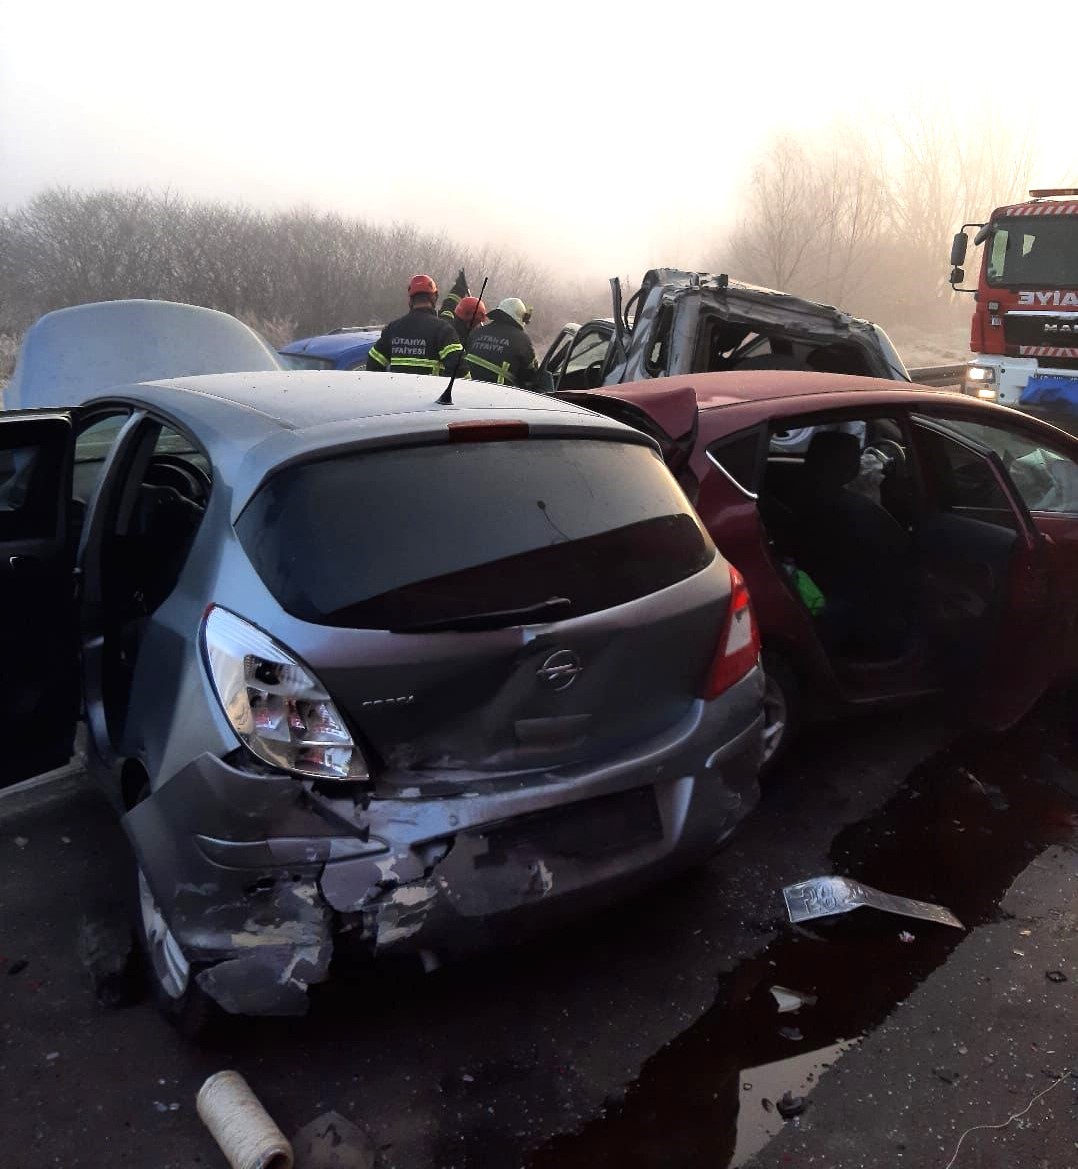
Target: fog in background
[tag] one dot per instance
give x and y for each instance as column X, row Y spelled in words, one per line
column 829, row 149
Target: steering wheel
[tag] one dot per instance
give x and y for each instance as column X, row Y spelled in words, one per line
column 892, row 454
column 188, row 480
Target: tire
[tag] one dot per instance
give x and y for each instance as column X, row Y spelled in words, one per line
column 166, row 969
column 169, row 974
column 782, row 707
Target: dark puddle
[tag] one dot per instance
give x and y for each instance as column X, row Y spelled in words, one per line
column 957, row 834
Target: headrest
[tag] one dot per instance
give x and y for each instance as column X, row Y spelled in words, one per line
column 833, row 459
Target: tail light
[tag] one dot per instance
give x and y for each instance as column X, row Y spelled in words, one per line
column 277, row 708
column 739, row 642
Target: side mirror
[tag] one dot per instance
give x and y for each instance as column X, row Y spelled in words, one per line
column 957, row 276
column 958, row 250
column 545, row 383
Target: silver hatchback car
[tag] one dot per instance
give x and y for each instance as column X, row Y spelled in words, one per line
column 368, row 673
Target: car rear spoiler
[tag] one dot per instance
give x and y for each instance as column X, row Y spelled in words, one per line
column 668, row 414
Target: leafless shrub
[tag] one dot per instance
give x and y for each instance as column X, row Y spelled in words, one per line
column 294, row 272
column 866, row 223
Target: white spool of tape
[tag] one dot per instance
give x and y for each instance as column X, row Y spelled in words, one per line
column 240, row 1125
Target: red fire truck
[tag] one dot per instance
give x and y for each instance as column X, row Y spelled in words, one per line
column 1025, row 324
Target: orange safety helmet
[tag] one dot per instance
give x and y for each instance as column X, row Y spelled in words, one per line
column 422, row 286
column 468, row 306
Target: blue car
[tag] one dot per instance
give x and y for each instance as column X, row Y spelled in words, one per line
column 345, row 348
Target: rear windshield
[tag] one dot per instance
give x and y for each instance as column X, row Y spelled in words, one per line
column 400, row 538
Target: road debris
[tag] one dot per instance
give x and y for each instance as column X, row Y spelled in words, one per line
column 791, row 1000
column 242, row 1128
column 107, row 952
column 1019, row 953
column 1007, row 1122
column 332, row 1142
column 1055, row 976
column 825, row 896
column 790, row 1106
column 946, row 1075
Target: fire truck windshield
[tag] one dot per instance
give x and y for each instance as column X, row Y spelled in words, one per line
column 1034, row 252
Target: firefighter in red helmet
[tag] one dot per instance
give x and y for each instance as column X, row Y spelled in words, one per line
column 420, row 341
column 469, row 314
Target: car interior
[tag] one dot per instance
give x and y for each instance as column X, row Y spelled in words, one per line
column 726, row 345
column 904, row 531
column 155, row 514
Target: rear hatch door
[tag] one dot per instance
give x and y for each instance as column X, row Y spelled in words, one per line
column 502, row 605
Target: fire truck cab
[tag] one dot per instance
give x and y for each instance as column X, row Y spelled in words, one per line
column 1024, row 335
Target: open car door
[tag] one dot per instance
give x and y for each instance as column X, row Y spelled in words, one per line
column 987, row 586
column 38, row 630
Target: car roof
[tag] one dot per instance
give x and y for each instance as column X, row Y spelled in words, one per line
column 715, row 390
column 253, row 423
column 333, row 345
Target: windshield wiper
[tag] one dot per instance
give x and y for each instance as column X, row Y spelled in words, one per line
column 495, row 619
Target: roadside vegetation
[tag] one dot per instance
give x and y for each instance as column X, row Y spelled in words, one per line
column 863, row 222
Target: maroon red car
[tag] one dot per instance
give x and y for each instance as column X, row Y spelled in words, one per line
column 897, row 541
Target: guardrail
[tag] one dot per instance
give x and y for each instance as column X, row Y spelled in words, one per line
column 939, row 375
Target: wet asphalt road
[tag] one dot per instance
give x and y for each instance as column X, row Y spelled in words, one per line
column 618, row 1042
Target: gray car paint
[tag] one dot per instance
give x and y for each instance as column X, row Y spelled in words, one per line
column 261, row 875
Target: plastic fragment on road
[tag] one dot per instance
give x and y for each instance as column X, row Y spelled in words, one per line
column 826, row 896
column 790, row 1105
column 331, row 1141
column 791, row 1000
column 242, row 1128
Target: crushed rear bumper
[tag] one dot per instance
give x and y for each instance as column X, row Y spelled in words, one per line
column 262, row 877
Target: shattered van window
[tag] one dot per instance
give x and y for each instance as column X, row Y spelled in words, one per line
column 389, row 539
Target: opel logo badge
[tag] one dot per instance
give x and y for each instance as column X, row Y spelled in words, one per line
column 560, row 670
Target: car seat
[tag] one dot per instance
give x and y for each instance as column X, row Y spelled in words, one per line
column 856, row 552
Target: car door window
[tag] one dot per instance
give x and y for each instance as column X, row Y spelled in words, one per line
column 556, row 354
column 741, row 457
column 961, row 479
column 92, row 446
column 1045, row 478
column 589, row 348
column 16, row 473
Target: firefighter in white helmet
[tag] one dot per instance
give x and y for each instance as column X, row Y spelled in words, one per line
column 502, row 351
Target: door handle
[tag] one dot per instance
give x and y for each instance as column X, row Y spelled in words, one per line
column 23, row 563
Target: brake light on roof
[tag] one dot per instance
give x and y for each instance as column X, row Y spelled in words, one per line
column 739, row 642
column 487, row 430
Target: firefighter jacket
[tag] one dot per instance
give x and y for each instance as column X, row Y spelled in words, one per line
column 418, row 342
column 501, row 352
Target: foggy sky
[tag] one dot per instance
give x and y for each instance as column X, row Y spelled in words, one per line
column 599, row 138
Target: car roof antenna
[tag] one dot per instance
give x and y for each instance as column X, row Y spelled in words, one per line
column 447, row 397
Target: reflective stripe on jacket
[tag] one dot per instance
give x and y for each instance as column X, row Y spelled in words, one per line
column 501, row 352
column 418, row 342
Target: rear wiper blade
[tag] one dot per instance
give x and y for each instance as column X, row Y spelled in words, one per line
column 495, row 619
